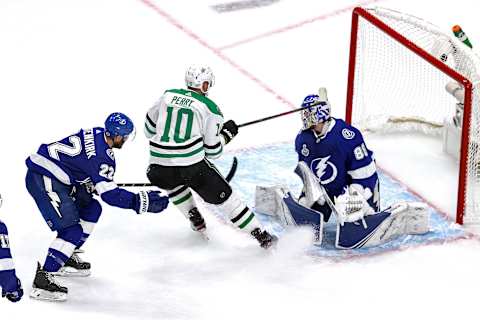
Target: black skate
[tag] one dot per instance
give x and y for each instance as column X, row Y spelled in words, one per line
column 196, row 220
column 75, row 267
column 46, row 288
column 197, row 223
column 265, row 239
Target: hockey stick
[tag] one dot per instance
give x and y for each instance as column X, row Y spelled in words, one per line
column 322, row 93
column 229, row 177
column 270, row 117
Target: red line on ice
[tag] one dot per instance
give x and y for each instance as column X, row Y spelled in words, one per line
column 217, row 52
column 297, row 25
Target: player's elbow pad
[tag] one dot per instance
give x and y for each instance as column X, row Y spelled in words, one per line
column 119, row 198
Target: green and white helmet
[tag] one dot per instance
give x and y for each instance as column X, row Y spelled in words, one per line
column 195, row 76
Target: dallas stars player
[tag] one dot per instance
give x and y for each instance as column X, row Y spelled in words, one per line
column 186, row 129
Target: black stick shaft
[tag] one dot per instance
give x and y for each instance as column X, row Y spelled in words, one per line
column 270, row 117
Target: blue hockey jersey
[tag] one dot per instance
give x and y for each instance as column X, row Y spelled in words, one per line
column 85, row 160
column 7, row 269
column 340, row 158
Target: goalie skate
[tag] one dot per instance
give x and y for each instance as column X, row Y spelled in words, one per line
column 46, row 288
column 74, row 267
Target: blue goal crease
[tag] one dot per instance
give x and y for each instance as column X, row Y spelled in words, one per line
column 274, row 164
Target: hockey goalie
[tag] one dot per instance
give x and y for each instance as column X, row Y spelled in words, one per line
column 340, row 178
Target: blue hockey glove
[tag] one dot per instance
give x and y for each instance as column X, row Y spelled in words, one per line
column 229, row 130
column 150, row 201
column 15, row 293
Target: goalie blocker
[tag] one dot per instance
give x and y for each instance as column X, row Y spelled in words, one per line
column 357, row 227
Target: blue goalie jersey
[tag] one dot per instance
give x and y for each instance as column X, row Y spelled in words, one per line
column 340, row 158
column 83, row 159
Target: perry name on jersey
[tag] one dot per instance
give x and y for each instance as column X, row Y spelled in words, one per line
column 83, row 158
column 339, row 158
column 183, row 128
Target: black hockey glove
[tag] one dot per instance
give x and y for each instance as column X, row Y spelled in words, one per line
column 150, row 201
column 229, row 130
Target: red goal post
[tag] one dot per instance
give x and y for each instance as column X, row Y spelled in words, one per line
column 386, row 48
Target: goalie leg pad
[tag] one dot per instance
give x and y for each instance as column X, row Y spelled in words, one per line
column 277, row 201
column 400, row 219
column 354, row 235
column 416, row 219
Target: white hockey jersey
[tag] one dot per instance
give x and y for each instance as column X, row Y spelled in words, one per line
column 183, row 128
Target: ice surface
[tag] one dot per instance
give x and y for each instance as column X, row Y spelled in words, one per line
column 67, row 64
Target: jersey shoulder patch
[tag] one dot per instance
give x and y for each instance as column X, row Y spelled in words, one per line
column 110, row 154
column 348, row 134
column 305, row 151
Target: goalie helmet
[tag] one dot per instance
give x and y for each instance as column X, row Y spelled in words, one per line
column 195, row 76
column 316, row 111
column 118, row 124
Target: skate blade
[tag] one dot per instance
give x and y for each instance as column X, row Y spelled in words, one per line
column 203, row 234
column 72, row 272
column 44, row 295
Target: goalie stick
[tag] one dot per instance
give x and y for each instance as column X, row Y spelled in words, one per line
column 229, row 177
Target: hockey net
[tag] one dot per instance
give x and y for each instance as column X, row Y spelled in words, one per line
column 399, row 68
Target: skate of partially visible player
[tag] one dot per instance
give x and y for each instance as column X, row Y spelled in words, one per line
column 339, row 176
column 10, row 284
column 63, row 177
column 186, row 128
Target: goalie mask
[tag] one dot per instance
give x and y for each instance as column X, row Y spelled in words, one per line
column 195, row 76
column 316, row 111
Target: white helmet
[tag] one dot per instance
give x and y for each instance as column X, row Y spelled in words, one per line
column 197, row 75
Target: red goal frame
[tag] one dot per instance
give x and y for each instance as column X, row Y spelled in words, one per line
column 359, row 12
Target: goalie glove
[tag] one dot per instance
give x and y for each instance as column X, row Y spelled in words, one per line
column 352, row 206
column 229, row 131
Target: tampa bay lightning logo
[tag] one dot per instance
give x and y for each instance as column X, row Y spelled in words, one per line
column 348, row 134
column 324, row 169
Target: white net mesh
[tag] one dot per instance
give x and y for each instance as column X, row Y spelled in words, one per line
column 397, row 90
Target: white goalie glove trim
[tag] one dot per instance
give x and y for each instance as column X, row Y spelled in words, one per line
column 352, row 205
